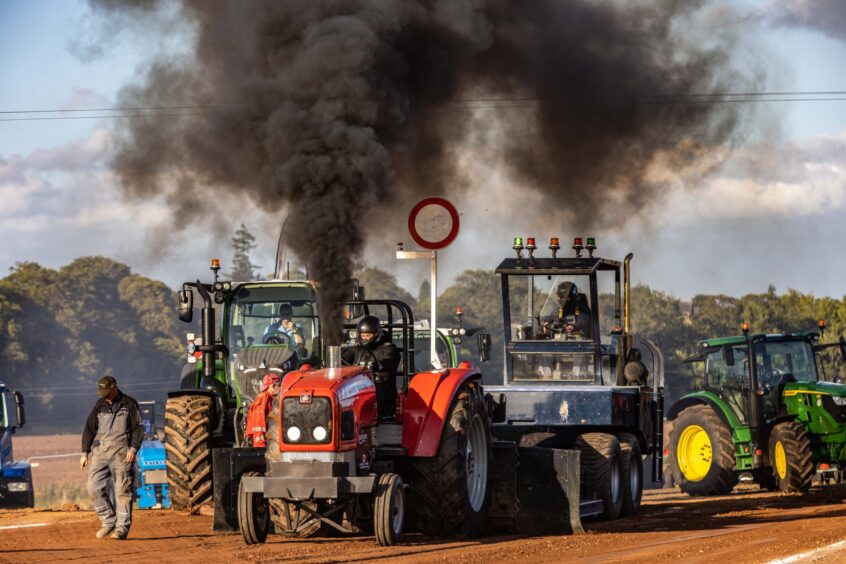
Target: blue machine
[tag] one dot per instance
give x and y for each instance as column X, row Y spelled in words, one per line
column 15, row 477
column 150, row 464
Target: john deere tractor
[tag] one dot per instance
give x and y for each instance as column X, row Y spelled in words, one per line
column 223, row 375
column 760, row 406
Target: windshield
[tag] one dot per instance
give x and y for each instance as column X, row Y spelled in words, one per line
column 561, row 309
column 285, row 316
column 777, row 362
column 422, row 349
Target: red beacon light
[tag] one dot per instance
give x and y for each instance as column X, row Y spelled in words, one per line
column 459, row 311
column 530, row 246
column 577, row 246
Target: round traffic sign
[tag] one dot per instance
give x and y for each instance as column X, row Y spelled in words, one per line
column 433, row 223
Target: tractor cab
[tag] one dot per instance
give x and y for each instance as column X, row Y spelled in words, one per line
column 15, row 476
column 569, row 356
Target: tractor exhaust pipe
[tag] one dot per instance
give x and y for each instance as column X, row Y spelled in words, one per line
column 333, row 359
column 627, row 297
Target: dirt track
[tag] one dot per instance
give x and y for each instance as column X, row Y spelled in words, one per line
column 746, row 526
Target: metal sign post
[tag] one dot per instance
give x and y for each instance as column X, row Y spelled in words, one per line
column 433, row 224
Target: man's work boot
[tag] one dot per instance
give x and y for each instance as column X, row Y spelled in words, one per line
column 119, row 535
column 104, row 532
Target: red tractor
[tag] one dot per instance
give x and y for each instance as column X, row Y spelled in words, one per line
column 332, row 463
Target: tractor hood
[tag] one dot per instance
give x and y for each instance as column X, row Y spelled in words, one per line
column 346, row 384
column 822, row 388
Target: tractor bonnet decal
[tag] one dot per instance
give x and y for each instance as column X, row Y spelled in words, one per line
column 355, row 386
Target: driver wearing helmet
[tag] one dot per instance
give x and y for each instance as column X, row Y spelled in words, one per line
column 375, row 350
column 291, row 333
column 572, row 319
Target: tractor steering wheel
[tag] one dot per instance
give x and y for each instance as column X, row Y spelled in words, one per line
column 275, row 340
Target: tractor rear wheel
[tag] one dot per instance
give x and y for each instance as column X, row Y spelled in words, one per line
column 792, row 457
column 290, row 520
column 702, row 452
column 253, row 514
column 450, row 492
column 602, row 460
column 632, row 474
column 188, row 450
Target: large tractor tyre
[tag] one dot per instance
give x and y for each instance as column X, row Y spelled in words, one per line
column 253, row 514
column 632, row 474
column 702, row 453
column 289, row 519
column 188, row 450
column 389, row 509
column 602, row 460
column 791, row 455
column 450, row 492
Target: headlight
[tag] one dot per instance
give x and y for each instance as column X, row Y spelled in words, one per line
column 319, row 433
column 293, row 434
column 839, row 400
column 18, row 486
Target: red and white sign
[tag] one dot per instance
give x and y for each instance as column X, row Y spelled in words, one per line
column 433, row 223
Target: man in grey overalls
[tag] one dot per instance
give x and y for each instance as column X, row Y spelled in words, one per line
column 115, row 432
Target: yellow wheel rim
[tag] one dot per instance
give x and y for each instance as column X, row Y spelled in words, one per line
column 694, row 453
column 780, row 460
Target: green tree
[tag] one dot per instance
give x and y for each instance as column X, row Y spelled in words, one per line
column 242, row 243
column 381, row 285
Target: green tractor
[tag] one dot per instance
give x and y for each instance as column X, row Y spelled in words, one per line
column 224, row 370
column 762, row 406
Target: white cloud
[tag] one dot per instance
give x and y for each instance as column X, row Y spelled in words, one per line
column 827, row 16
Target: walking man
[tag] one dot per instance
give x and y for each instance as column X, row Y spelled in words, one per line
column 112, row 435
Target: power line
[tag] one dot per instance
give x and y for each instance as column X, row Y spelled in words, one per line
column 151, row 108
column 473, row 103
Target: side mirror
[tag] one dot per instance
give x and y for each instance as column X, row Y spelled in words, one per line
column 186, row 305
column 19, row 409
column 843, row 347
column 728, row 355
column 483, row 340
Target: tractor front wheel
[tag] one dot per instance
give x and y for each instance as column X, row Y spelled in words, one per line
column 702, row 453
column 253, row 514
column 188, row 450
column 792, row 457
column 450, row 492
column 633, row 474
column 389, row 509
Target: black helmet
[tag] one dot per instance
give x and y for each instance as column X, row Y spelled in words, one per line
column 566, row 290
column 369, row 324
column 286, row 311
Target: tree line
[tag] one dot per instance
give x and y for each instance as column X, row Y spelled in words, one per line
column 61, row 329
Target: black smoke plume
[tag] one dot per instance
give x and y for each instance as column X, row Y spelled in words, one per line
column 344, row 112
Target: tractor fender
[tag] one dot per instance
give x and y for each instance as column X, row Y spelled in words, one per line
column 711, row 399
column 430, row 395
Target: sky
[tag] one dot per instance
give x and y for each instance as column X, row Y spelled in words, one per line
column 771, row 213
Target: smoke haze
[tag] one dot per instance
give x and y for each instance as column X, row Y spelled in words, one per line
column 343, row 113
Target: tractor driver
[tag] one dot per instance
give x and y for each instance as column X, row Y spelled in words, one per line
column 375, row 350
column 572, row 318
column 284, row 331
